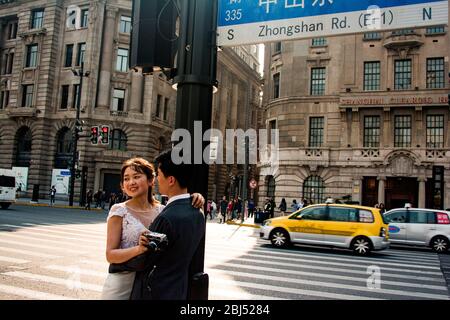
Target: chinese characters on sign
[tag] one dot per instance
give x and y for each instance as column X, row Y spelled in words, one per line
column 251, row 21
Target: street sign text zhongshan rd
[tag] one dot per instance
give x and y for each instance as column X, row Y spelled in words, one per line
column 257, row 21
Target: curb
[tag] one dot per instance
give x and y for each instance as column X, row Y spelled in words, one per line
column 28, row 204
column 256, row 226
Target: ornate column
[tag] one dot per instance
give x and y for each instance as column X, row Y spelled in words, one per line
column 137, row 87
column 422, row 194
column 381, row 189
column 355, row 128
column 107, row 58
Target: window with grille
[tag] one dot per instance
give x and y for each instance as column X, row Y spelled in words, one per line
column 81, row 53
column 118, row 100
column 27, row 96
column 372, row 36
column 37, row 18
column 276, row 85
column 64, row 97
column 125, row 24
column 435, row 131
column 32, row 53
column 403, row 74
column 84, row 18
column 118, row 140
column 371, row 131
column 319, row 42
column 314, row 189
column 437, row 29
column 316, row 132
column 76, row 90
column 122, row 60
column 69, row 55
column 372, row 76
column 4, row 99
column 402, row 134
column 435, row 73
column 317, row 81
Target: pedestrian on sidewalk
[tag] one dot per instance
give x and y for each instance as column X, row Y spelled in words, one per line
column 223, row 209
column 88, row 200
column 52, row 195
column 213, row 209
column 126, row 222
column 283, row 206
column 251, row 208
column 208, row 210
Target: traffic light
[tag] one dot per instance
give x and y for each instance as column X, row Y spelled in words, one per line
column 94, row 135
column 104, row 135
column 79, row 126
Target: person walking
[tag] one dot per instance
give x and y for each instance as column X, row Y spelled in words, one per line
column 88, row 200
column 213, row 209
column 251, row 208
column 125, row 223
column 283, row 206
column 52, row 195
column 167, row 273
column 223, row 209
column 208, row 210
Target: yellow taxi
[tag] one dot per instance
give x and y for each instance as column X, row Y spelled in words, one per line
column 361, row 229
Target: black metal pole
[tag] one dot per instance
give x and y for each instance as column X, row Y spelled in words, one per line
column 75, row 139
column 196, row 77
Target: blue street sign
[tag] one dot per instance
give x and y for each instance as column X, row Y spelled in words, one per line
column 256, row 21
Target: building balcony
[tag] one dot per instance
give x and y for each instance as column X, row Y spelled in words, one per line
column 118, row 114
column 21, row 112
column 406, row 40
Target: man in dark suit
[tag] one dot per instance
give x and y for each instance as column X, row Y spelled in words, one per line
column 166, row 275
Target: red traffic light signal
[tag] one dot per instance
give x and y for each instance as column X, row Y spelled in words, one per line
column 104, row 135
column 94, row 135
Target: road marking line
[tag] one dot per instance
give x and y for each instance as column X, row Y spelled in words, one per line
column 336, row 285
column 32, row 294
column 32, row 245
column 221, row 259
column 317, row 259
column 58, row 281
column 279, row 252
column 218, row 280
column 33, row 236
column 336, row 277
column 56, row 231
column 13, row 260
column 92, row 232
column 30, row 253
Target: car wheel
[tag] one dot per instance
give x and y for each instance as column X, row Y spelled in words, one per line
column 361, row 246
column 279, row 238
column 5, row 206
column 439, row 244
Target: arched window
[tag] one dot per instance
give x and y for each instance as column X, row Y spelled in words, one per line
column 270, row 182
column 23, row 147
column 119, row 140
column 64, row 149
column 313, row 190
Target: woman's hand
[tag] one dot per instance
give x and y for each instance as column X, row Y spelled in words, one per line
column 197, row 200
column 143, row 243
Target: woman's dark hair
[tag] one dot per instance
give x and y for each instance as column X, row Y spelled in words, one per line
column 142, row 166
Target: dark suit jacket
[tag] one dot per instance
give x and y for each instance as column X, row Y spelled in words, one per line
column 166, row 273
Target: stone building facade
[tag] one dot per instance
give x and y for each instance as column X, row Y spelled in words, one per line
column 41, row 42
column 361, row 117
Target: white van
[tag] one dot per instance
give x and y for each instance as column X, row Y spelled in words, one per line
column 7, row 191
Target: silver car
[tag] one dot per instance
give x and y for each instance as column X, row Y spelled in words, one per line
column 419, row 227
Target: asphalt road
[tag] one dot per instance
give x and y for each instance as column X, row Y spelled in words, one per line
column 50, row 253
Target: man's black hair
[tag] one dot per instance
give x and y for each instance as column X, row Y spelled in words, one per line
column 181, row 172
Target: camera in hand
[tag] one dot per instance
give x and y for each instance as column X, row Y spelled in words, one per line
column 156, row 241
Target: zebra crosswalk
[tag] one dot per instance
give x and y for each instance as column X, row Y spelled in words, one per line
column 66, row 261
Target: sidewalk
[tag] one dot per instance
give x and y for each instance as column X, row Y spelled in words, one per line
column 61, row 204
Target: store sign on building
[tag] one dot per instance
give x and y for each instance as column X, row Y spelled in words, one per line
column 251, row 21
column 395, row 100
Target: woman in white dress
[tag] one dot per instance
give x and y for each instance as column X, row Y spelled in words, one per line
column 126, row 222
